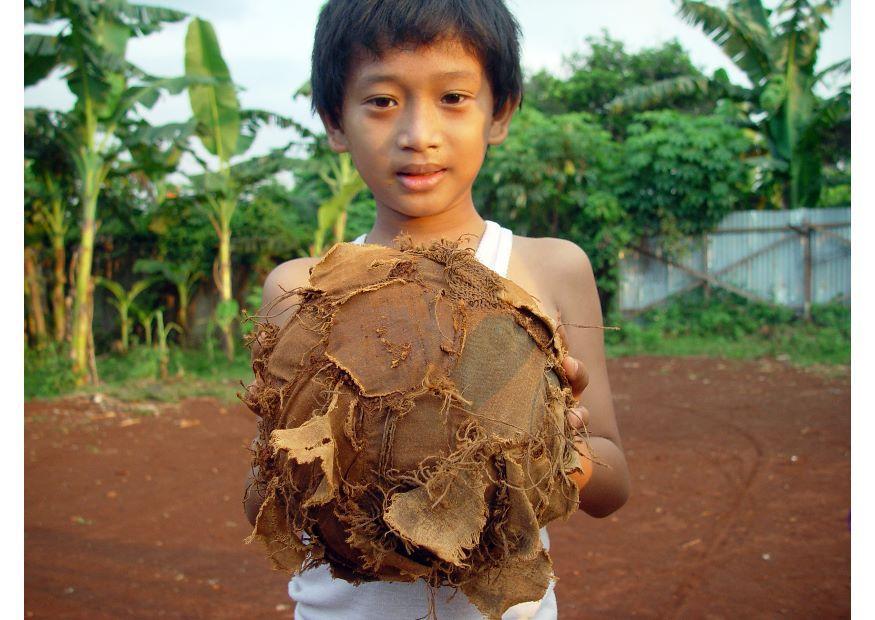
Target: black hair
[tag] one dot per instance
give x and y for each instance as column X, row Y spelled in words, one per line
column 486, row 28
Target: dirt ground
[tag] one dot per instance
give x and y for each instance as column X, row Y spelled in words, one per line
column 740, row 505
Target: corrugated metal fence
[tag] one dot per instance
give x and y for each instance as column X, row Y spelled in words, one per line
column 789, row 258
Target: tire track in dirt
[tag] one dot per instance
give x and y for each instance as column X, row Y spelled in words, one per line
column 697, row 574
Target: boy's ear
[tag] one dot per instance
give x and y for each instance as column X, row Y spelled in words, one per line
column 501, row 121
column 336, row 137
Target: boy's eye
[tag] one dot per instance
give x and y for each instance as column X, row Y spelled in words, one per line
column 381, row 102
column 453, row 98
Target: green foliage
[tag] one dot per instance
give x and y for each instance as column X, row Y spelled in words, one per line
column 723, row 314
column 162, row 333
column 253, row 300
column 214, row 104
column 605, row 71
column 48, row 371
column 726, row 325
column 555, row 176
column 144, row 319
column 90, row 47
column 313, row 192
column 49, row 172
column 182, row 274
column 225, row 131
column 683, row 173
column 567, row 170
column 251, row 308
column 226, row 312
column 191, row 373
column 777, row 50
column 361, row 215
column 122, row 300
column 181, row 232
column 836, row 191
column 136, row 375
column 345, row 183
column 138, row 364
column 273, row 224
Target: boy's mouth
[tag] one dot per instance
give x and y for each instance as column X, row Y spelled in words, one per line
column 420, row 177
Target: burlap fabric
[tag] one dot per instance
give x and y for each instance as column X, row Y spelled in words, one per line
column 413, row 425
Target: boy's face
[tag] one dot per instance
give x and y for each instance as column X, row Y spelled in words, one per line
column 417, row 123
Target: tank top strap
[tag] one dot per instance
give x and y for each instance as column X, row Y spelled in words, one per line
column 493, row 250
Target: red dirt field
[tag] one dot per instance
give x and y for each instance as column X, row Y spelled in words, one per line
column 740, row 504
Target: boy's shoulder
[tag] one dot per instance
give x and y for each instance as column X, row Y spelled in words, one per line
column 556, row 271
column 551, row 258
column 283, row 278
column 558, row 252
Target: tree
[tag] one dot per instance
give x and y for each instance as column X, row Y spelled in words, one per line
column 781, row 105
column 345, row 183
column 606, row 70
column 682, row 173
column 36, row 318
column 183, row 276
column 47, row 197
column 555, row 176
column 122, row 301
column 273, row 224
column 225, row 131
column 335, row 173
column 91, row 45
column 162, row 332
column 144, row 318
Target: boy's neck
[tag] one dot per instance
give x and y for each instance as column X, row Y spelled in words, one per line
column 448, row 225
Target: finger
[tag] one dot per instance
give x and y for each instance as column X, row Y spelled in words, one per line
column 578, row 418
column 560, row 328
column 576, row 373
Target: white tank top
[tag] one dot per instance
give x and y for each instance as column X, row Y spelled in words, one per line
column 318, row 596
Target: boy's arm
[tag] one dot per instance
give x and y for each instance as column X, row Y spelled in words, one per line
column 285, row 277
column 576, row 297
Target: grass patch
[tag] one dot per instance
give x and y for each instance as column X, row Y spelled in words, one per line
column 730, row 326
column 47, row 371
column 192, row 373
column 135, row 376
column 725, row 325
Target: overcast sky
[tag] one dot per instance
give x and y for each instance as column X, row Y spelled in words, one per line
column 267, row 45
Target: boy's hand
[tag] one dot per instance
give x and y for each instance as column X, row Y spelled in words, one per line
column 578, row 377
column 578, row 417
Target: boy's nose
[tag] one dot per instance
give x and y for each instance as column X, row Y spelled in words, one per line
column 420, row 129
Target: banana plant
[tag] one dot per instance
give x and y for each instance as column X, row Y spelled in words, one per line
column 91, row 46
column 777, row 50
column 144, row 318
column 122, row 301
column 225, row 131
column 162, row 332
column 184, row 276
column 46, row 200
column 36, row 320
column 343, row 180
column 345, row 183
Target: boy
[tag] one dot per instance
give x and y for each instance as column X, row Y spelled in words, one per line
column 416, row 91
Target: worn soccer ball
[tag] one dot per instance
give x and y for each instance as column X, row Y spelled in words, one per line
column 413, row 425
